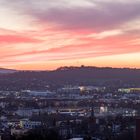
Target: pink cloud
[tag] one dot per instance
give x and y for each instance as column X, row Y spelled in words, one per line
column 15, row 39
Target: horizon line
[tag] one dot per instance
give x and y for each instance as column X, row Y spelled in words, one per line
column 81, row 66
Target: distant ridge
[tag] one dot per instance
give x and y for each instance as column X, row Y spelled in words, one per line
column 7, row 71
column 92, row 67
column 84, row 75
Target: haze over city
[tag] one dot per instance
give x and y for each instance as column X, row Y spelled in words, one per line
column 48, row 34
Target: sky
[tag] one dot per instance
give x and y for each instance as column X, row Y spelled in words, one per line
column 46, row 34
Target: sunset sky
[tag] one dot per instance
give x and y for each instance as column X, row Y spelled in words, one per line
column 46, row 34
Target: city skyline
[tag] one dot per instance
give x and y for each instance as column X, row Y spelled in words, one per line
column 41, row 35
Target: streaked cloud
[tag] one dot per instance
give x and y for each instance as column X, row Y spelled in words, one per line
column 17, row 39
column 33, row 31
column 106, row 34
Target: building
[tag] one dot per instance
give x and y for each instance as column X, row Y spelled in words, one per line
column 129, row 90
column 27, row 124
column 138, row 129
column 38, row 93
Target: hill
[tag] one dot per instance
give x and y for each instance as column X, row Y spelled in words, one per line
column 6, row 71
column 71, row 76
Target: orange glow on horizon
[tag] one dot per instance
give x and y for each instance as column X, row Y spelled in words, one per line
column 105, row 61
